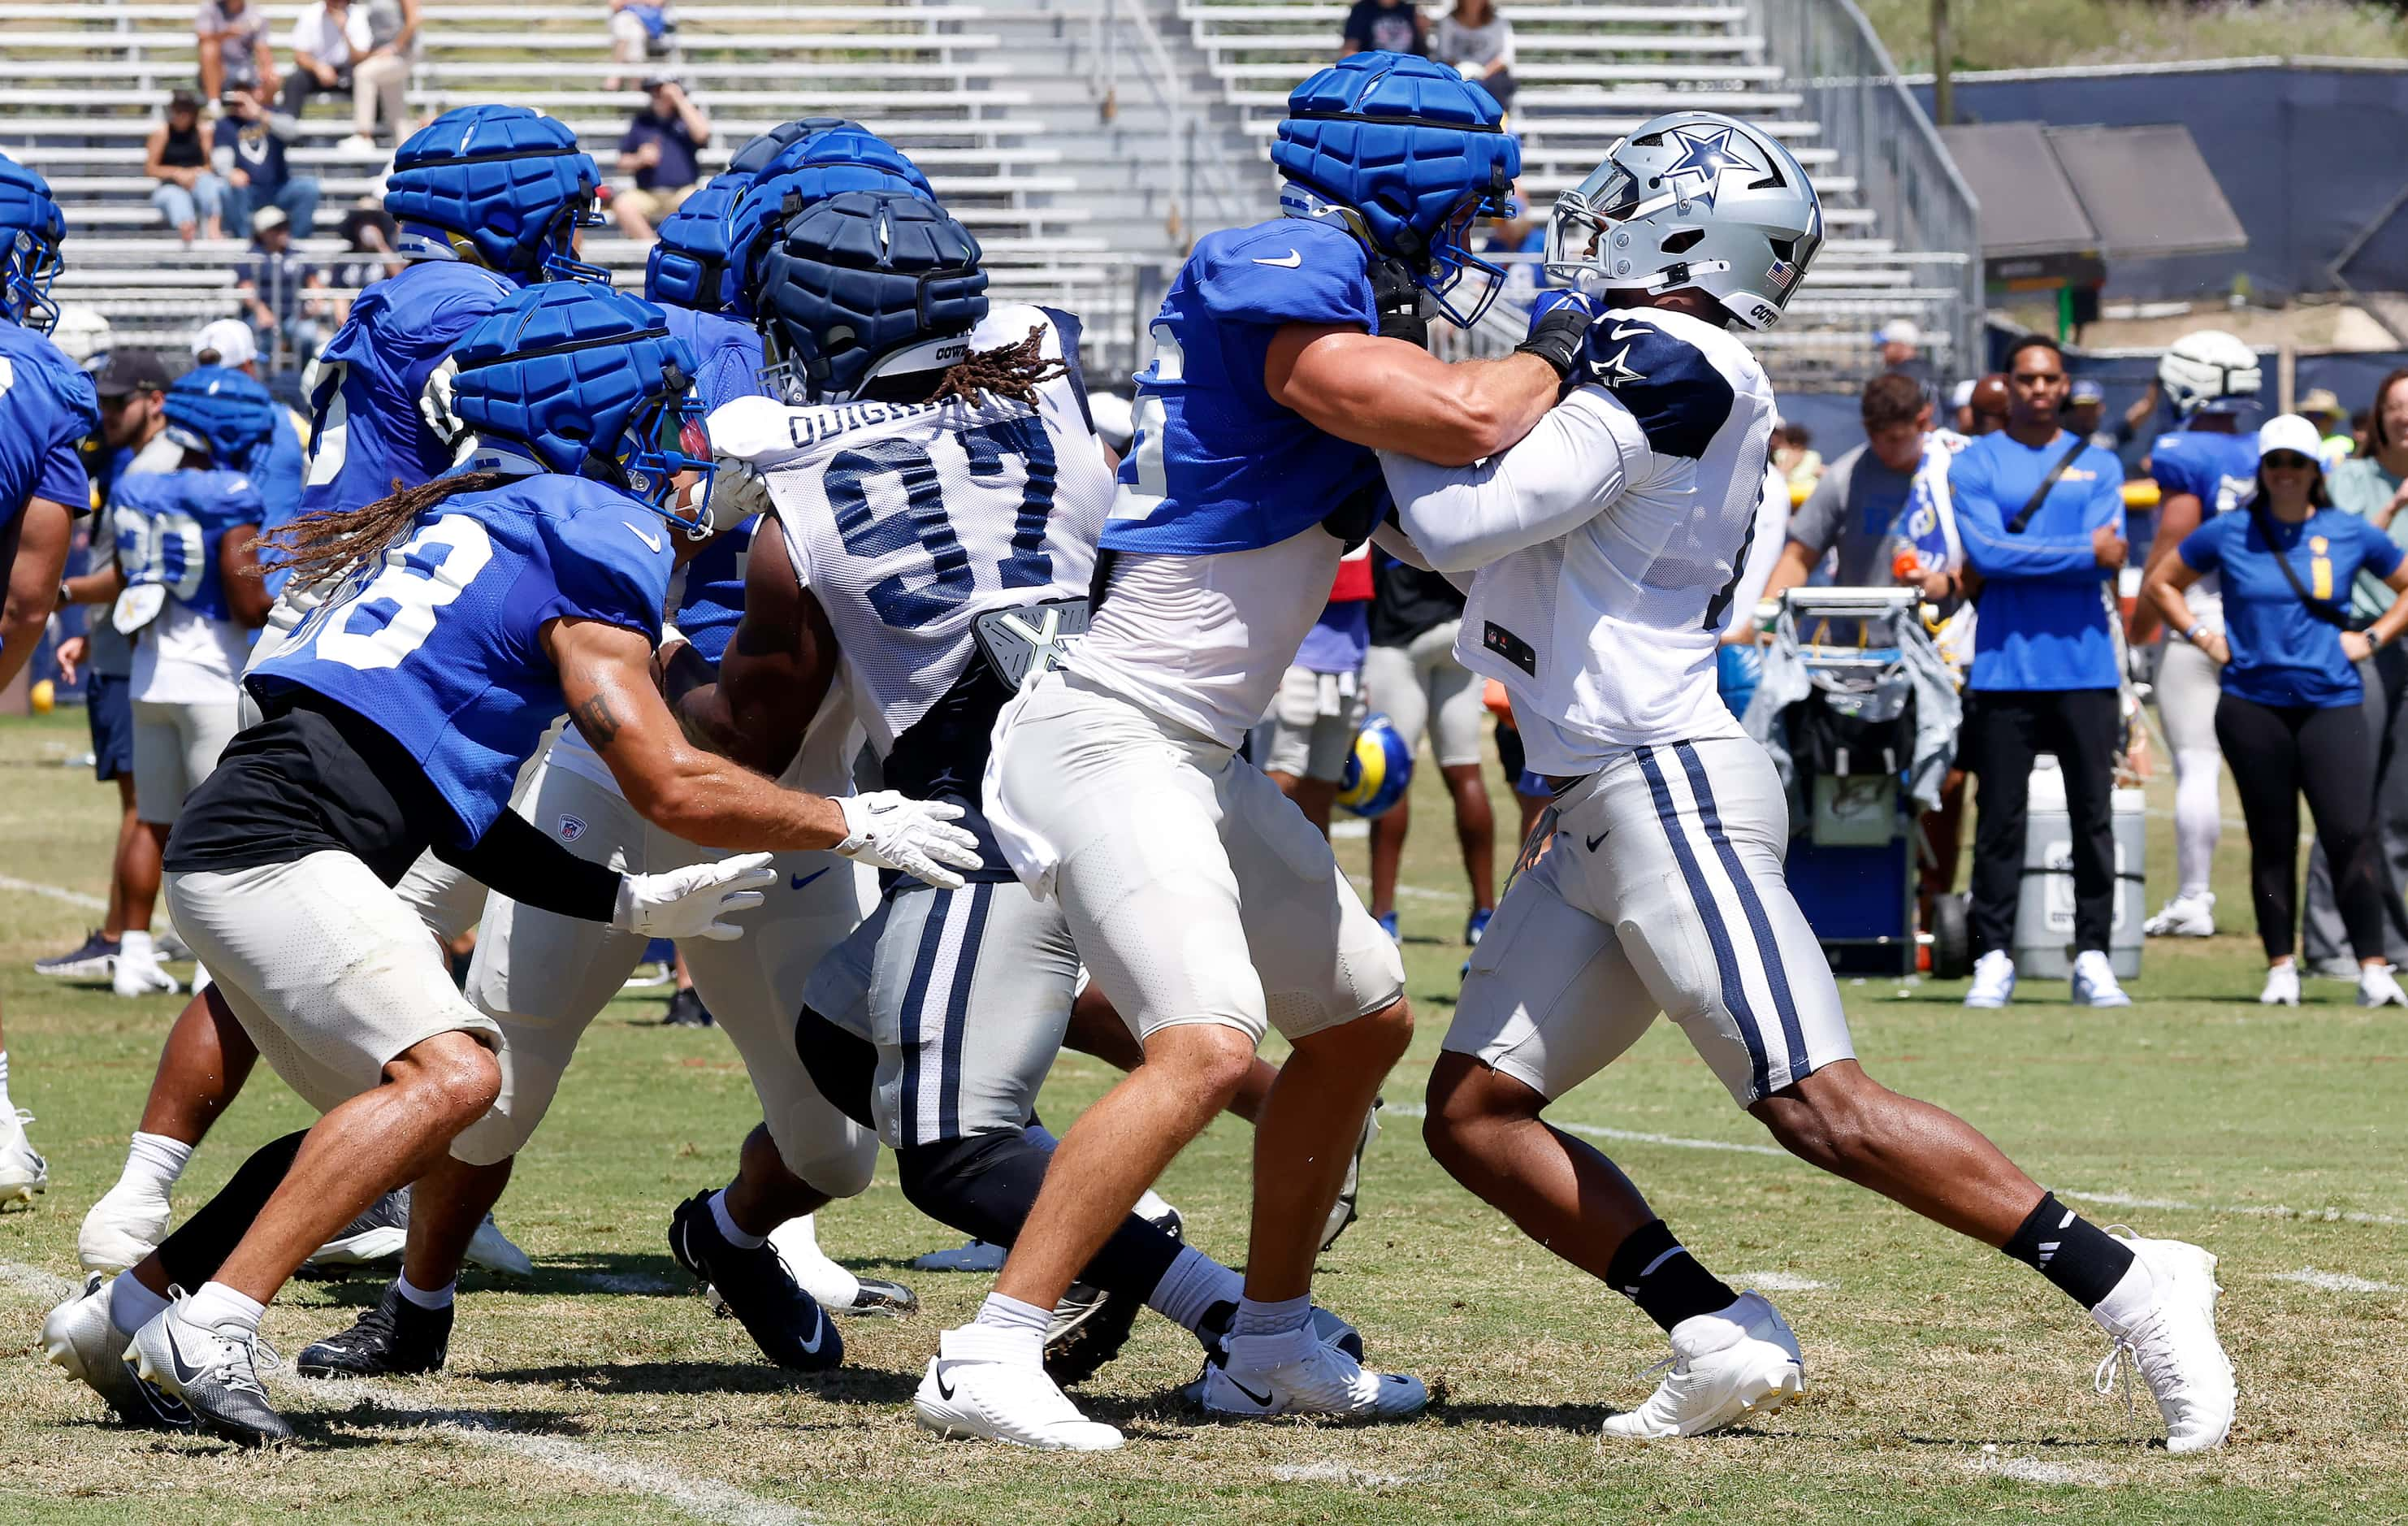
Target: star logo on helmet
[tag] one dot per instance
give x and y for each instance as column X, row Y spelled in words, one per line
column 1706, row 155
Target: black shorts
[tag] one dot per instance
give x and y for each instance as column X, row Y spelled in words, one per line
column 108, row 708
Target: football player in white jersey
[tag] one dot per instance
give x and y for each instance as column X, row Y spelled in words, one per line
column 1605, row 547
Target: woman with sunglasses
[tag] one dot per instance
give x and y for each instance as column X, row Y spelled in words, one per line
column 2290, row 720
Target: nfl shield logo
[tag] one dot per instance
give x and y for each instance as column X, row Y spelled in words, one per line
column 571, row 828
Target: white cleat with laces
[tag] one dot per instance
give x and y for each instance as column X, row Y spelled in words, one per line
column 2378, row 986
column 1298, row 1372
column 2282, row 987
column 2094, row 982
column 1994, row 980
column 2185, row 916
column 22, row 1173
column 995, row 1388
column 1736, row 1364
column 2173, row 1343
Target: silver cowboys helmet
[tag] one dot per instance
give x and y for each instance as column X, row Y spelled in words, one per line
column 1692, row 199
column 2206, row 370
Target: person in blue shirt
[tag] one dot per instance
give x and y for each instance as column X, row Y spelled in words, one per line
column 467, row 614
column 2041, row 514
column 2290, row 718
column 47, row 408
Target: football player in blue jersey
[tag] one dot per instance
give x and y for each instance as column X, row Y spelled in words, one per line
column 467, row 614
column 2206, row 467
column 1284, row 354
column 47, row 408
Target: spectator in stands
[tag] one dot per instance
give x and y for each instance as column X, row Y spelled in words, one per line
column 189, row 194
column 638, row 29
column 1392, row 26
column 367, row 235
column 1848, row 515
column 1477, row 40
column 274, row 287
column 250, row 154
column 234, row 51
column 329, row 39
column 2323, row 410
column 1902, row 352
column 2040, row 512
column 2083, row 402
column 1794, row 455
column 662, row 149
column 378, row 79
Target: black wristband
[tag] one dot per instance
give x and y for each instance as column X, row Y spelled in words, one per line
column 1557, row 338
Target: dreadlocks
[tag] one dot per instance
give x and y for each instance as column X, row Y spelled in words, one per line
column 323, row 549
column 1015, row 371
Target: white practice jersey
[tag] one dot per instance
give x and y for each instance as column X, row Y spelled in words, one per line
column 1609, row 544
column 908, row 521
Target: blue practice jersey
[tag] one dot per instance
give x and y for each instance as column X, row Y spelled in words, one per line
column 169, row 527
column 440, row 642
column 367, row 438
column 2220, row 470
column 279, row 474
column 1216, row 465
column 711, row 600
column 47, row 410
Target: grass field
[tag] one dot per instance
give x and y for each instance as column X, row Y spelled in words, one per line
column 1944, row 1383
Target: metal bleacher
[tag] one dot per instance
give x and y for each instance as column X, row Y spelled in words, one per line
column 88, row 79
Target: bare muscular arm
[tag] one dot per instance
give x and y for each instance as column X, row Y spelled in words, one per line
column 1392, row 395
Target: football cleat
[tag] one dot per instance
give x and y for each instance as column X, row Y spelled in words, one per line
column 2174, row 1345
column 687, row 1011
column 976, row 1256
column 490, row 1248
column 121, row 1229
column 2282, row 987
column 1477, row 925
column 2094, row 982
column 1300, row 1372
column 1213, row 1330
column 832, row 1286
column 1737, row 1363
column 645, row 977
column 2185, row 916
column 96, row 961
column 22, row 1173
column 377, row 1235
column 214, row 1369
column 135, row 975
column 1345, row 1212
column 755, row 1286
column 2378, row 986
column 1091, row 1324
column 394, row 1339
column 972, row 1389
column 1994, row 980
column 78, row 1337
column 1388, row 924
column 170, row 945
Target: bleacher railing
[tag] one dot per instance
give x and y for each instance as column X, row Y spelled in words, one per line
column 1124, row 43
column 1832, row 57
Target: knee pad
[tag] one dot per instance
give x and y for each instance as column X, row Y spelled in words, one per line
column 842, row 1065
column 982, row 1185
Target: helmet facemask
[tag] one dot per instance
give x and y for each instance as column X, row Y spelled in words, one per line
column 558, row 260
column 34, row 262
column 1458, row 280
column 667, row 436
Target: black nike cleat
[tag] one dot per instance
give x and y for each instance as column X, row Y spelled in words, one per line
column 394, row 1339
column 784, row 1322
column 1091, row 1324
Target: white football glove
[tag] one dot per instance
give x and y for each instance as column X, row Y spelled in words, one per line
column 689, row 903
column 890, row 830
column 436, row 411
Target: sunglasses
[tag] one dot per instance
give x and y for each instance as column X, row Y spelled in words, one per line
column 2286, row 461
column 2033, row 379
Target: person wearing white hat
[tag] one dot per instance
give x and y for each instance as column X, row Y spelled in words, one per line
column 2290, row 717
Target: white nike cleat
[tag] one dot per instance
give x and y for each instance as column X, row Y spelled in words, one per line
column 378, row 1235
column 1994, row 980
column 2173, row 1344
column 2282, row 987
column 2094, row 982
column 78, row 1337
column 976, row 1256
column 22, row 1173
column 490, row 1248
column 1737, row 1364
column 2185, row 916
column 214, row 1369
column 1295, row 1372
column 834, row 1286
column 979, row 1386
column 122, row 1228
column 2378, row 986
column 137, row 976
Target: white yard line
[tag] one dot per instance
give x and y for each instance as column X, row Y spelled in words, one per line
column 73, row 897
column 2336, row 1282
column 2031, row 1470
column 1781, row 1282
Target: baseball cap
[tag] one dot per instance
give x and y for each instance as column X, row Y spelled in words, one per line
column 266, row 218
column 1900, row 331
column 184, row 100
column 1962, row 394
column 658, row 78
column 2088, row 391
column 130, row 371
column 2289, row 432
column 231, row 338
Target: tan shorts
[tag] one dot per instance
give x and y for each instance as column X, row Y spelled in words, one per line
column 1422, row 687
column 544, row 978
column 1194, row 890
column 654, row 206
column 327, row 969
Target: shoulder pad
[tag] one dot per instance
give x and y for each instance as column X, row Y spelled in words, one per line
column 1669, row 384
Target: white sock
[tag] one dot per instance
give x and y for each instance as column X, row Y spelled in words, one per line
column 2199, row 816
column 727, row 1229
column 5, row 1110
column 152, row 1164
column 1195, row 1283
column 1255, row 1318
column 137, row 946
column 217, row 1305
column 1017, row 1330
column 131, row 1306
column 2129, row 1300
column 440, row 1299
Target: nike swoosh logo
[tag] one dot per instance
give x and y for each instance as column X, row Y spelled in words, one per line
column 652, row 540
column 1293, row 260
column 185, row 1375
column 944, row 1390
column 1620, row 333
column 1599, row 838
column 1262, row 1399
column 798, row 881
column 819, row 1333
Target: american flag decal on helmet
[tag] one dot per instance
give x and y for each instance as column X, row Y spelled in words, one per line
column 1781, row 273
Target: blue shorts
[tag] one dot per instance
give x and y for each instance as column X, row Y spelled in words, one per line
column 108, row 705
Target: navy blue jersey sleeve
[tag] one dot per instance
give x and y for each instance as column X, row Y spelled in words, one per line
column 609, row 565
column 1674, row 392
column 1286, row 271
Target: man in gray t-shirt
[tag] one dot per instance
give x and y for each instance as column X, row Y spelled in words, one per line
column 1853, row 507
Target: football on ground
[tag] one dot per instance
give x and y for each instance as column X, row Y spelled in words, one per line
column 1942, row 1381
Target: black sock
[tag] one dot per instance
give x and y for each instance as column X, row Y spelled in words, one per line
column 201, row 1243
column 1653, row 1270
column 2083, row 1260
